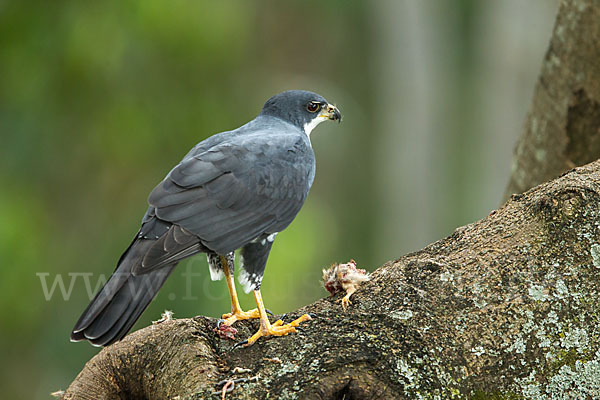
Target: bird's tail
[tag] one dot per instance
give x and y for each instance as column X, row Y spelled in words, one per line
column 121, row 301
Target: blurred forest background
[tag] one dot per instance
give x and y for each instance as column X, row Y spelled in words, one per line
column 98, row 100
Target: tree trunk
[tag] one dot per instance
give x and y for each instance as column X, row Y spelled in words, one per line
column 563, row 126
column 504, row 308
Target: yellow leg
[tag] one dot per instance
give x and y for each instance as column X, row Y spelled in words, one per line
column 236, row 313
column 346, row 300
column 275, row 329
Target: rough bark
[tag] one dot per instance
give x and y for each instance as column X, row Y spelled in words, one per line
column 506, row 307
column 563, row 126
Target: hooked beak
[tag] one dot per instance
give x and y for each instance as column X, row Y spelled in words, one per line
column 332, row 113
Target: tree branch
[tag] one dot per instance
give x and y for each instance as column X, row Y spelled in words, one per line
column 505, row 306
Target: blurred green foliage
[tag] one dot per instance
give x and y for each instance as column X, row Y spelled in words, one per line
column 99, row 100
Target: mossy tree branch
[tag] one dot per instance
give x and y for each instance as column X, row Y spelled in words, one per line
column 505, row 306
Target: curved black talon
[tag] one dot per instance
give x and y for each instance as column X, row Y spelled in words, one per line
column 269, row 311
column 300, row 329
column 283, row 316
column 312, row 315
column 240, row 344
column 219, row 322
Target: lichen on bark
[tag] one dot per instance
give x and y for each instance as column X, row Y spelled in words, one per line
column 507, row 306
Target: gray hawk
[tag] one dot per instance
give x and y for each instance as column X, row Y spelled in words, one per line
column 234, row 190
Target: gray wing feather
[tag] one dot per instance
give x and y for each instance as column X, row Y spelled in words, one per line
column 190, row 171
column 173, row 246
column 231, row 194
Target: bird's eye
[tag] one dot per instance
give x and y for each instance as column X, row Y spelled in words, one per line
column 313, row 106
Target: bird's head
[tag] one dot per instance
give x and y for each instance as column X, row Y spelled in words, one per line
column 304, row 109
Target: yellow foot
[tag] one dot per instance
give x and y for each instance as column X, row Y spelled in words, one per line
column 275, row 329
column 240, row 315
column 346, row 302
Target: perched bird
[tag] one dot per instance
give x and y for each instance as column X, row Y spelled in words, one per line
column 236, row 189
column 344, row 277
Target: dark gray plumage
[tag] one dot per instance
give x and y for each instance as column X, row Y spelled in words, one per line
column 236, row 189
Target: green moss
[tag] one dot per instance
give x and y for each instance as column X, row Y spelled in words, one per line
column 481, row 395
column 563, row 357
column 567, row 358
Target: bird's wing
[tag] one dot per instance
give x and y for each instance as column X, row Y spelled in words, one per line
column 233, row 192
